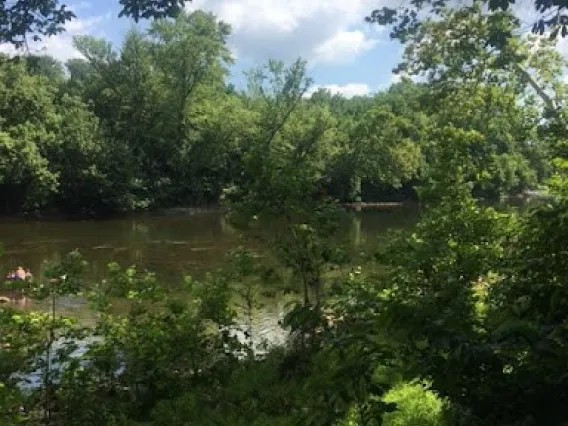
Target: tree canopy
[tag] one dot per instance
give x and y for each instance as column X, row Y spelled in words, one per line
column 155, row 124
column 549, row 15
column 20, row 19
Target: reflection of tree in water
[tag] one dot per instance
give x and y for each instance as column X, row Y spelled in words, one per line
column 172, row 247
column 356, row 230
column 226, row 228
column 139, row 228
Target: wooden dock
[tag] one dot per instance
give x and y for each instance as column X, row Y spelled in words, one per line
column 374, row 206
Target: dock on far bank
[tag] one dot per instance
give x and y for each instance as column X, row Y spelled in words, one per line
column 373, row 206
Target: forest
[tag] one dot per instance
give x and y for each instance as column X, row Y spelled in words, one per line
column 461, row 320
column 153, row 123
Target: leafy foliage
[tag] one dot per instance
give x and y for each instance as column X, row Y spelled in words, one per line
column 38, row 18
column 407, row 19
column 472, row 301
column 416, row 405
column 153, row 124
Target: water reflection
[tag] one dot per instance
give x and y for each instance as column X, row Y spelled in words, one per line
column 170, row 246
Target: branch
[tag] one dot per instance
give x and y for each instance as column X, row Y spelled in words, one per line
column 548, row 100
column 285, row 118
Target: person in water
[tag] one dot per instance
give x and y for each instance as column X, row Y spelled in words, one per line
column 18, row 275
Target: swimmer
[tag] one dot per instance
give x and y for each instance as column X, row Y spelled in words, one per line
column 20, row 275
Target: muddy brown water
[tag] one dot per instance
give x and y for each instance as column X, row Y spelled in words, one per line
column 171, row 245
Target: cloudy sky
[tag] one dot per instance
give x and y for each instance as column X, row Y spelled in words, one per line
column 345, row 54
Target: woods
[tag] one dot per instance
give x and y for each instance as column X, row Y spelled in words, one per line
column 154, row 123
column 461, row 320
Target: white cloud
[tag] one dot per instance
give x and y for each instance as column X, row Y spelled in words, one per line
column 60, row 46
column 343, row 47
column 348, row 90
column 396, row 78
column 329, row 31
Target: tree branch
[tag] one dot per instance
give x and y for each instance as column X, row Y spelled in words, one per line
column 548, row 100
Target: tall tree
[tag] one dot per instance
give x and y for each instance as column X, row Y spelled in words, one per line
column 189, row 52
column 382, row 148
column 151, row 95
column 52, row 146
column 45, row 66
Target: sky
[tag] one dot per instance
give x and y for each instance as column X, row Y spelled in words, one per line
column 345, row 54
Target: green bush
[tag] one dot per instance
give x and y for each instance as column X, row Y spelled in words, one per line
column 417, row 405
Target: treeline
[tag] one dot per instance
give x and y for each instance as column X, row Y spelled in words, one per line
column 154, row 123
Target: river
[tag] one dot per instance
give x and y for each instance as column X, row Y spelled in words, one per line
column 190, row 242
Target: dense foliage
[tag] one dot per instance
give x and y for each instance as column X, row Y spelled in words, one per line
column 465, row 323
column 155, row 124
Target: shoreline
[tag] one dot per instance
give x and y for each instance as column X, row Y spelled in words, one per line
column 57, row 216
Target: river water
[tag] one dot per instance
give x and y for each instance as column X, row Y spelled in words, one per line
column 190, row 242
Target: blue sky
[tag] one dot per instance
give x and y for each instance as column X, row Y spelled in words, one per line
column 345, row 54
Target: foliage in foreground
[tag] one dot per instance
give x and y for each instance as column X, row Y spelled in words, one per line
column 478, row 315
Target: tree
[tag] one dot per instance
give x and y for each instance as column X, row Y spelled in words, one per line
column 25, row 179
column 382, row 148
column 407, row 19
column 45, row 66
column 283, row 168
column 191, row 58
column 508, row 157
column 28, row 118
column 38, row 18
column 54, row 149
column 468, row 45
column 222, row 127
column 152, row 96
column 380, row 145
column 518, row 82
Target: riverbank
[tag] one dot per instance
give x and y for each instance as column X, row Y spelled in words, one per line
column 526, row 196
column 56, row 215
